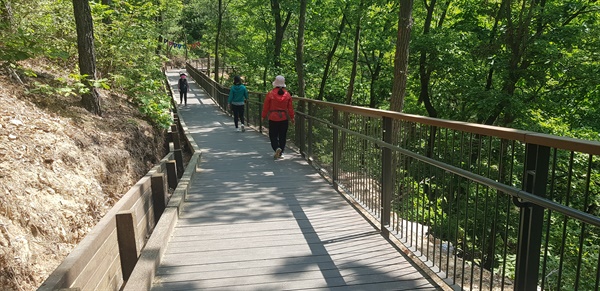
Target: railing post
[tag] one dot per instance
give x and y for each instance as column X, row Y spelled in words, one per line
column 309, row 133
column 247, row 112
column 260, row 119
column 386, row 177
column 336, row 149
column 175, row 137
column 159, row 194
column 126, row 234
column 176, row 121
column 213, row 92
column 535, row 179
column 301, row 128
column 177, row 150
column 172, row 174
column 223, row 99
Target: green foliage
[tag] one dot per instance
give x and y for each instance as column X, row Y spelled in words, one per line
column 126, row 35
column 73, row 86
column 127, row 53
column 15, row 48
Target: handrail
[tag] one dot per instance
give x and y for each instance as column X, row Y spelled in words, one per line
column 519, row 184
column 566, row 143
column 515, row 192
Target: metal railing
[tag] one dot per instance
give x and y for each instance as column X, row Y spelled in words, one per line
column 484, row 207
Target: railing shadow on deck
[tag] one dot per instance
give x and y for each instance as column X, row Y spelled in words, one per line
column 482, row 207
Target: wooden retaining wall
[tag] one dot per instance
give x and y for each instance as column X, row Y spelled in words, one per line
column 107, row 256
column 95, row 263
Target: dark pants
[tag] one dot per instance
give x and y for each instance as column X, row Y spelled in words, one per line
column 182, row 97
column 278, row 134
column 238, row 114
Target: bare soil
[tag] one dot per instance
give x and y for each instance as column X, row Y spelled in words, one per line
column 61, row 169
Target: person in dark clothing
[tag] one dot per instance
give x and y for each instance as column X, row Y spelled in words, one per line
column 238, row 95
column 278, row 108
column 182, row 85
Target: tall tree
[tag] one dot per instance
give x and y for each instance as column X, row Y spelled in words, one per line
column 425, row 69
column 355, row 54
column 280, row 27
column 330, row 55
column 87, row 55
column 401, row 57
column 5, row 14
column 107, row 20
column 300, row 49
column 350, row 90
column 376, row 43
column 218, row 37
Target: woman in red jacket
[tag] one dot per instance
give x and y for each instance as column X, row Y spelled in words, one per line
column 278, row 108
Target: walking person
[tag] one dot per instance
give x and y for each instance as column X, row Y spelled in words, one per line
column 182, row 85
column 238, row 95
column 278, row 108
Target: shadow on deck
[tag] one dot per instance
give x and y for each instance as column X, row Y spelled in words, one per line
column 253, row 223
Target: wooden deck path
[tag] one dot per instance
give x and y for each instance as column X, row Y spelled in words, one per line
column 252, row 223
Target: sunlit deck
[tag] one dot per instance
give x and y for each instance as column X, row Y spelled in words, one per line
column 254, row 223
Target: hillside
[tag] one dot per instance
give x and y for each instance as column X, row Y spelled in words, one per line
column 61, row 169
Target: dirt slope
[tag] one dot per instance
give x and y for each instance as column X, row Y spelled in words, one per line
column 61, row 169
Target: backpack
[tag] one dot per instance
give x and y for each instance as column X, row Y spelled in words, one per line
column 183, row 84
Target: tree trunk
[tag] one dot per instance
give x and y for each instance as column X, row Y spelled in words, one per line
column 219, row 26
column 350, row 91
column 488, row 83
column 518, row 39
column 374, row 62
column 159, row 23
column 373, row 98
column 107, row 20
column 5, row 15
column 87, row 55
column 280, row 27
column 400, row 72
column 185, row 45
column 300, row 49
column 355, row 49
column 401, row 56
column 424, row 71
column 330, row 57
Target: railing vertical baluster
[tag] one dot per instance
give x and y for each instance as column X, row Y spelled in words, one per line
column 386, row 177
column 537, row 159
column 336, row 150
column 260, row 108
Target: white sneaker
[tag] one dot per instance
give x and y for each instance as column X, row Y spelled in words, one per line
column 237, row 129
column 243, row 129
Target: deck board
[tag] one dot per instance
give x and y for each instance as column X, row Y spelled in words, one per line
column 252, row 223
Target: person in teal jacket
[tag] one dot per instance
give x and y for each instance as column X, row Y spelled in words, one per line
column 238, row 95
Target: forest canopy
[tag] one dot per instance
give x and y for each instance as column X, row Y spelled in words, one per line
column 530, row 65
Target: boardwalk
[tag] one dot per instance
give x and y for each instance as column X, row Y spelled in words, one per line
column 252, row 223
